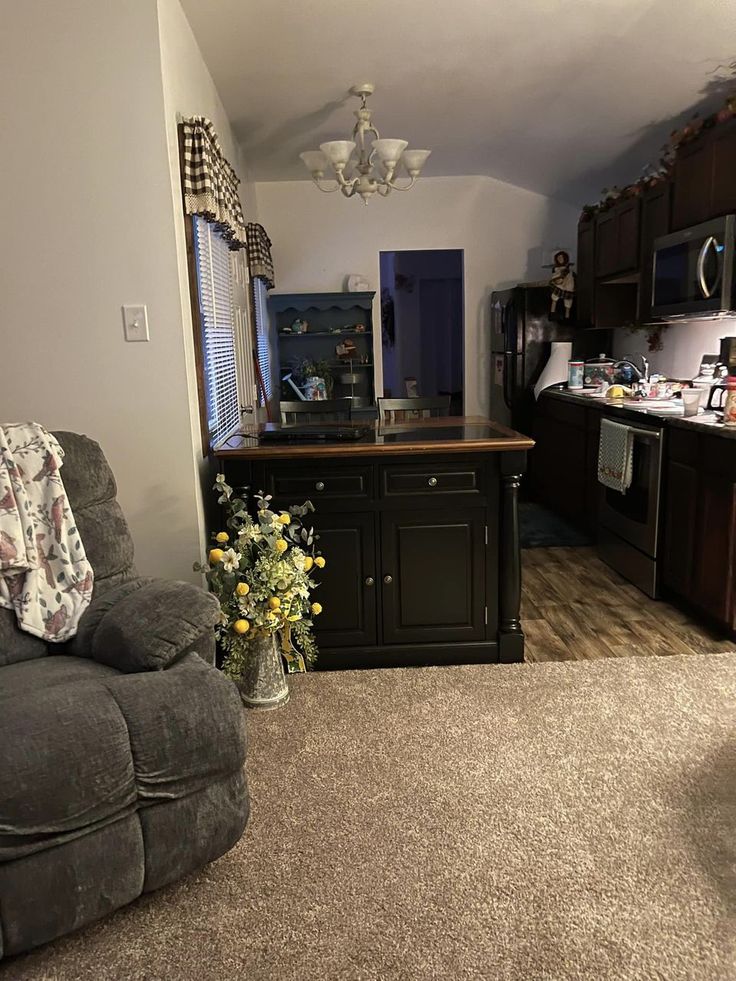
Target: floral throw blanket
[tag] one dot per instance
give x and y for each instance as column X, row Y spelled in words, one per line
column 44, row 573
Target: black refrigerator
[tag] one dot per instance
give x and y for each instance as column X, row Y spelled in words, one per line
column 522, row 331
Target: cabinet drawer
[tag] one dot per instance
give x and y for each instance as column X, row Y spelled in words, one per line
column 425, row 479
column 317, row 483
column 568, row 413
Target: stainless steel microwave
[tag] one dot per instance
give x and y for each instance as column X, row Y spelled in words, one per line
column 693, row 274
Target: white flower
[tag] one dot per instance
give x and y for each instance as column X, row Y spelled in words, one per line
column 230, row 560
column 250, row 533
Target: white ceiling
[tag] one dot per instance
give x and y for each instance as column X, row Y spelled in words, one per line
column 560, row 96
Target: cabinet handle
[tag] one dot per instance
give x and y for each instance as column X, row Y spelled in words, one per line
column 369, row 581
column 432, row 481
column 388, row 580
column 320, row 485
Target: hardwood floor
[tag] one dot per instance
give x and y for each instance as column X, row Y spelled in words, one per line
column 575, row 608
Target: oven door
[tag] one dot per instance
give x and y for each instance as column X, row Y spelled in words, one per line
column 693, row 271
column 634, row 516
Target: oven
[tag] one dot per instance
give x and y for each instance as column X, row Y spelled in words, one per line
column 629, row 524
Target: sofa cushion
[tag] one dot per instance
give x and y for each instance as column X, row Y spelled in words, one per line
column 15, row 644
column 82, row 745
column 65, row 761
column 186, row 727
column 91, row 489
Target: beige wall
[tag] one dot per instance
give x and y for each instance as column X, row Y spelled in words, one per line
column 88, row 197
column 188, row 90
column 319, row 238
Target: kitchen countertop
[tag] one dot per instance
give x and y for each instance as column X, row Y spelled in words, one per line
column 703, row 422
column 449, row 434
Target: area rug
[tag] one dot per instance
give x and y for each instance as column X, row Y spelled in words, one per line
column 553, row 822
column 541, row 528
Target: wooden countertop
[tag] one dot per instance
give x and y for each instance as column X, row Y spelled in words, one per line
column 449, row 434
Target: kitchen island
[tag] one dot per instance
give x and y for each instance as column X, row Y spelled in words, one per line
column 419, row 525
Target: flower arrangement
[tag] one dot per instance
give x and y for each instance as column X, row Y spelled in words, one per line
column 260, row 572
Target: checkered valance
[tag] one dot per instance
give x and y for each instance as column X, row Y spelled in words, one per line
column 260, row 262
column 210, row 184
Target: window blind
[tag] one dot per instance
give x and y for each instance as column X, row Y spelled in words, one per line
column 263, row 347
column 218, row 329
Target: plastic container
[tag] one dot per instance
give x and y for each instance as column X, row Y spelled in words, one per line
column 575, row 375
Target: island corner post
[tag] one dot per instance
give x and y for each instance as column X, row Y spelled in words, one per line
column 510, row 633
column 419, row 524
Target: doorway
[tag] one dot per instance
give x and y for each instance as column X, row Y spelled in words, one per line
column 422, row 324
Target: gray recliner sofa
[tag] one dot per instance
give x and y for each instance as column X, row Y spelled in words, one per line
column 122, row 751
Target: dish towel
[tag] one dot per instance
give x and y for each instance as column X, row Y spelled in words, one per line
column 615, row 456
column 44, row 572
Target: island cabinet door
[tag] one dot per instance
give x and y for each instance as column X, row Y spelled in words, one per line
column 432, row 575
column 347, row 584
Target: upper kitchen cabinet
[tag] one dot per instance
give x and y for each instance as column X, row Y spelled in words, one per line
column 704, row 185
column 655, row 221
column 617, row 239
column 585, row 283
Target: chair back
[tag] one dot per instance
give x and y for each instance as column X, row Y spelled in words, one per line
column 329, row 410
column 407, row 410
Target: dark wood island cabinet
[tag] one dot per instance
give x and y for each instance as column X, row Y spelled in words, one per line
column 419, row 526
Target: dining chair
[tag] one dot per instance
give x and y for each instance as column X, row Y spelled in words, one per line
column 328, row 410
column 406, row 410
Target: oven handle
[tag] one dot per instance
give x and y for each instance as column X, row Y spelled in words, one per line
column 648, row 433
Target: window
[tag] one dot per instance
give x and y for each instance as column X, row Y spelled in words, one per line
column 226, row 356
column 263, row 348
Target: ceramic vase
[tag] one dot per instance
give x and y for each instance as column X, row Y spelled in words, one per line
column 263, row 682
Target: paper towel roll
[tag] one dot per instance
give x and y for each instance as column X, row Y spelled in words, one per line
column 555, row 371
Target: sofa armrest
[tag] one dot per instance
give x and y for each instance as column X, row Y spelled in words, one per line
column 147, row 624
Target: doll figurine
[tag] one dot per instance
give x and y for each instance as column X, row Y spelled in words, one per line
column 562, row 282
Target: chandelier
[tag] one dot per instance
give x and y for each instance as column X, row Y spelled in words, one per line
column 376, row 166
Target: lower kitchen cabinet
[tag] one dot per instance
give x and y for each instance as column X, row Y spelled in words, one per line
column 433, row 575
column 347, row 589
column 681, row 480
column 563, row 466
column 700, row 523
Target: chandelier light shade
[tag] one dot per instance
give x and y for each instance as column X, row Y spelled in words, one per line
column 376, row 164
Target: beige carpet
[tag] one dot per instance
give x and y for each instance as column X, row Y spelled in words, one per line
column 556, row 821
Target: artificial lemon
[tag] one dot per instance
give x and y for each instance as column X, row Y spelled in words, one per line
column 316, row 609
column 285, row 519
column 274, row 602
column 615, row 392
column 242, row 589
column 320, row 562
column 308, row 563
column 221, row 537
column 281, row 545
column 241, row 626
column 216, row 555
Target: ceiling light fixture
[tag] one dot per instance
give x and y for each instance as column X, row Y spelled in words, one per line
column 377, row 164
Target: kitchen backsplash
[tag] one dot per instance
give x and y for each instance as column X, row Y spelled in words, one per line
column 682, row 345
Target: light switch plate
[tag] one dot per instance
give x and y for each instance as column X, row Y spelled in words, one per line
column 135, row 322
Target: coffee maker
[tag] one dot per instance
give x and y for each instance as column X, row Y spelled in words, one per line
column 727, row 357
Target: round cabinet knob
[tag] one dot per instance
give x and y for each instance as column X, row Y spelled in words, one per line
column 432, row 481
column 369, row 581
column 388, row 580
column 320, row 485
